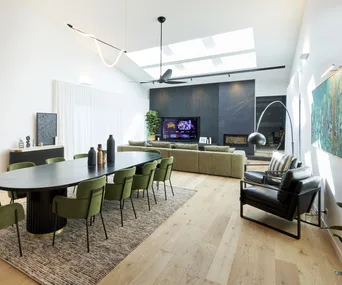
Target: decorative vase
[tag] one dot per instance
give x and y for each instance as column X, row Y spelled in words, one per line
column 100, row 160
column 110, row 149
column 92, row 156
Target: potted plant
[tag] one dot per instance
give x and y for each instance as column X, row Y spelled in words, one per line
column 338, row 228
column 153, row 123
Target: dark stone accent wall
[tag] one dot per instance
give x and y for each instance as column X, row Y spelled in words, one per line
column 189, row 101
column 223, row 108
column 237, row 110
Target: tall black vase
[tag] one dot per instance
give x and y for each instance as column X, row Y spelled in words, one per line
column 110, row 149
column 92, row 156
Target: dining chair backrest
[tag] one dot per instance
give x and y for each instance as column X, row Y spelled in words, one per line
column 122, row 186
column 145, row 180
column 165, row 168
column 54, row 160
column 20, row 165
column 15, row 166
column 80, row 155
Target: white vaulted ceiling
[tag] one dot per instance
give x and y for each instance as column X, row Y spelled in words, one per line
column 132, row 25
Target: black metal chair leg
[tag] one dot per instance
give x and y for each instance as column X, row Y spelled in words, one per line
column 18, row 234
column 121, row 206
column 173, row 194
column 154, row 195
column 135, row 215
column 54, row 229
column 148, row 200
column 165, row 191
column 87, row 234
column 104, row 227
column 241, row 210
column 298, row 222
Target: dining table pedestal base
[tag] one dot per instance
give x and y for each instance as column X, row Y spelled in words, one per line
column 40, row 220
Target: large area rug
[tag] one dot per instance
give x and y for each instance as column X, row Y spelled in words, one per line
column 68, row 261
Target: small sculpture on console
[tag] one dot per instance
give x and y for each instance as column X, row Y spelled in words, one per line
column 28, row 141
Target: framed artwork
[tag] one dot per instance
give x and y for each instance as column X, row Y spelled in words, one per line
column 203, row 140
column 46, row 128
column 326, row 115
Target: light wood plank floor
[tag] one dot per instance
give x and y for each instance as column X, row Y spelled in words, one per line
column 207, row 243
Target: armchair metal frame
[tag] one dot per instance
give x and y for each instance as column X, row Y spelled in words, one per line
column 298, row 218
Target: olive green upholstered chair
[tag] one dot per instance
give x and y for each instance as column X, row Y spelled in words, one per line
column 12, row 214
column 77, row 156
column 145, row 181
column 87, row 204
column 163, row 173
column 121, row 189
column 80, row 155
column 154, row 151
column 15, row 166
column 54, row 160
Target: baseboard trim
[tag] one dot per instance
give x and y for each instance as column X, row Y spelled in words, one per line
column 333, row 240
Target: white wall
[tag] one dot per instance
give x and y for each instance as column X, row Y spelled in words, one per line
column 321, row 38
column 34, row 51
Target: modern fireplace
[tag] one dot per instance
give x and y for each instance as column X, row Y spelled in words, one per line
column 235, row 140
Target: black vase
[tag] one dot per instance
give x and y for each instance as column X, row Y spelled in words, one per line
column 110, row 149
column 92, row 156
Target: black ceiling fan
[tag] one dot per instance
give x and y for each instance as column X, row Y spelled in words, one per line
column 164, row 78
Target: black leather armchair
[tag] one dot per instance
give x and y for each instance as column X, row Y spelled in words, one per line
column 292, row 198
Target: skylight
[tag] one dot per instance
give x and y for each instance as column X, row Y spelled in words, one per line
column 220, row 64
column 236, row 41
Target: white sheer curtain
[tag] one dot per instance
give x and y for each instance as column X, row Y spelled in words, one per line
column 87, row 116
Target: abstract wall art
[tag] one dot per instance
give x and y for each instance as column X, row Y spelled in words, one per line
column 46, row 128
column 326, row 115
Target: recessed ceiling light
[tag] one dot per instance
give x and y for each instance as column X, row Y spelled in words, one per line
column 304, row 56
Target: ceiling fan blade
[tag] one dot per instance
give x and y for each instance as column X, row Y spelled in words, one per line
column 167, row 75
column 145, row 82
column 175, row 82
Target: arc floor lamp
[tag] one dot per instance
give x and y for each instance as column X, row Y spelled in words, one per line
column 258, row 138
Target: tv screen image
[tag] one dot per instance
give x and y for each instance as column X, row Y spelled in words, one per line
column 180, row 128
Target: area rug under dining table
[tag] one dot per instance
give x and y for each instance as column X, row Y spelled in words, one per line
column 68, row 261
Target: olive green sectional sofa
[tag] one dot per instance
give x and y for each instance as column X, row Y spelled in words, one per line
column 214, row 160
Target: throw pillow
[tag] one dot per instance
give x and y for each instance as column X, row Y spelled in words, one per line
column 231, row 149
column 186, row 146
column 137, row 143
column 280, row 162
column 216, row 148
column 161, row 144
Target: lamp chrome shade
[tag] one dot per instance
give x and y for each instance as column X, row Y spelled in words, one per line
column 257, row 138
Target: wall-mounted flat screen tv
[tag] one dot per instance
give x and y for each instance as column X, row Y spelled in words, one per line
column 180, row 128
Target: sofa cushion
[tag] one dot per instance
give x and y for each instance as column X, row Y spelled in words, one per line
column 185, row 146
column 161, row 144
column 231, row 149
column 130, row 148
column 280, row 162
column 217, row 148
column 137, row 143
column 185, row 160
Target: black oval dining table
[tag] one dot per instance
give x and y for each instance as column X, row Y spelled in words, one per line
column 42, row 183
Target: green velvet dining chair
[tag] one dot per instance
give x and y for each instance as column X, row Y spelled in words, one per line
column 157, row 151
column 13, row 195
column 163, row 173
column 121, row 189
column 144, row 181
column 87, row 204
column 12, row 214
column 54, row 160
column 80, row 155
